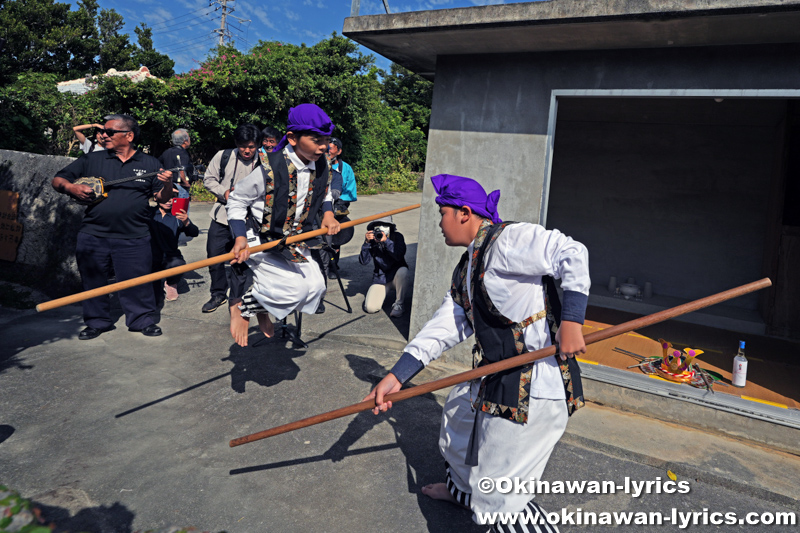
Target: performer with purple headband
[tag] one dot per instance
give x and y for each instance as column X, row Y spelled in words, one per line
column 283, row 196
column 506, row 424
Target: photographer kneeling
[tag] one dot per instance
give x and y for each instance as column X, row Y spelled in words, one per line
column 387, row 248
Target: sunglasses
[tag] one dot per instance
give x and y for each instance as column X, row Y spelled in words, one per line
column 109, row 132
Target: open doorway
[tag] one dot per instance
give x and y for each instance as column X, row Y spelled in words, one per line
column 692, row 195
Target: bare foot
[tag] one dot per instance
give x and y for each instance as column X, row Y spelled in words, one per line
column 239, row 324
column 265, row 325
column 438, row 491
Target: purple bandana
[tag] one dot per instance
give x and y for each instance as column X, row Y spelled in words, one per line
column 306, row 117
column 457, row 191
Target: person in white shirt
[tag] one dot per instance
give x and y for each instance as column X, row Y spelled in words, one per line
column 506, row 424
column 284, row 195
column 86, row 144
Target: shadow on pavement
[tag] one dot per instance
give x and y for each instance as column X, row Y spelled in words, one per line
column 5, row 432
column 415, row 435
column 101, row 519
column 35, row 330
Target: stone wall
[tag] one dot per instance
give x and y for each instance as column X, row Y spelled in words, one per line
column 46, row 255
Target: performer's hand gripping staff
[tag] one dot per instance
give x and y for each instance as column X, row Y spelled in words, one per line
column 330, row 227
column 569, row 337
column 390, row 394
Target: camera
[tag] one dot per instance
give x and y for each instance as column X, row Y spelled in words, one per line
column 377, row 235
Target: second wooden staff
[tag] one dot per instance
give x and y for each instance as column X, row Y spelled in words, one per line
column 511, row 362
column 155, row 276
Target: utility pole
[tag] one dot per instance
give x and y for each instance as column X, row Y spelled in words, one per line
column 223, row 31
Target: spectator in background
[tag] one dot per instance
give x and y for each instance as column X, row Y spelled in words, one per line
column 349, row 190
column 178, row 156
column 165, row 230
column 115, row 231
column 270, row 139
column 87, row 145
column 225, row 170
column 387, row 248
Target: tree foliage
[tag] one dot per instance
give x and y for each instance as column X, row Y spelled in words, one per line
column 410, row 94
column 381, row 119
column 46, row 36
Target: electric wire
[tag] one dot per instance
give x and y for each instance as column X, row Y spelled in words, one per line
column 182, row 43
column 185, row 24
column 179, row 17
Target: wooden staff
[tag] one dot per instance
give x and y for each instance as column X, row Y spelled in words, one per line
column 155, row 276
column 511, row 362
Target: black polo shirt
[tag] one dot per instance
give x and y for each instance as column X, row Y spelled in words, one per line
column 125, row 213
column 169, row 159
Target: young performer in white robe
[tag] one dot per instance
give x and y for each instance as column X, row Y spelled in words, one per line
column 518, row 415
column 283, row 196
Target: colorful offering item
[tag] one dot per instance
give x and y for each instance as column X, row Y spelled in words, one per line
column 675, row 365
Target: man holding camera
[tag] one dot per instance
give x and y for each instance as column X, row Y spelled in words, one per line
column 387, row 248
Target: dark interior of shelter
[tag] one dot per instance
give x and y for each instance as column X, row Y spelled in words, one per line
column 689, row 197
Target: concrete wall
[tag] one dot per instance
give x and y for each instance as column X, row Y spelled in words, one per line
column 490, row 120
column 46, row 255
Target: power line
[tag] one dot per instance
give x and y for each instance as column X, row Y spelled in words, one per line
column 179, row 17
column 181, row 44
column 185, row 28
column 195, row 45
column 183, row 25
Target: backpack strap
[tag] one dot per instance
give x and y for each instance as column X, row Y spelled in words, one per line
column 223, row 162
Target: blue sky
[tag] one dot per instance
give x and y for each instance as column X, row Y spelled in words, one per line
column 182, row 28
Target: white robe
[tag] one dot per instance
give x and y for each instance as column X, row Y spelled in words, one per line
column 280, row 285
column 514, row 267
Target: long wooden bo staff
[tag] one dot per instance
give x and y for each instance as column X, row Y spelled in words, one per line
column 155, row 276
column 512, row 362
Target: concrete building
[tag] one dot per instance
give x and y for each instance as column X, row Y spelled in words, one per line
column 661, row 133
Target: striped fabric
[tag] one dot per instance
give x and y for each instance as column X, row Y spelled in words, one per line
column 250, row 306
column 541, row 525
column 461, row 497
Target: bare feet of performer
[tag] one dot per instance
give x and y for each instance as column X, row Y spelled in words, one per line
column 438, row 491
column 265, row 325
column 239, row 324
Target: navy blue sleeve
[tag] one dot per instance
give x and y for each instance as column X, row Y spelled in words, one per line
column 365, row 256
column 396, row 246
column 327, row 206
column 190, row 230
column 406, row 367
column 573, row 308
column 238, row 228
column 74, row 170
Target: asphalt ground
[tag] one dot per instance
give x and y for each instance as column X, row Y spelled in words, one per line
column 126, row 433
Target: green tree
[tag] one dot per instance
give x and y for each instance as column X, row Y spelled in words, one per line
column 116, row 51
column 37, row 118
column 410, row 94
column 160, row 65
column 44, row 36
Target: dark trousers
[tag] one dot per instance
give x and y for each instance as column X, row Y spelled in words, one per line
column 220, row 241
column 130, row 258
column 164, row 263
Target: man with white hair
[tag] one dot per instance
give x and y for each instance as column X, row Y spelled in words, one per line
column 178, row 156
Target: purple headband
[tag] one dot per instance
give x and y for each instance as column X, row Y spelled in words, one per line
column 306, row 117
column 457, row 191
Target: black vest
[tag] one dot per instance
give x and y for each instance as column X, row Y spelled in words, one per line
column 280, row 190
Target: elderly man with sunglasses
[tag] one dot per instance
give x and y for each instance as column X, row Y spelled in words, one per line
column 115, row 232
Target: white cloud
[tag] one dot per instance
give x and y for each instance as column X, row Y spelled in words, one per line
column 292, row 15
column 249, row 10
